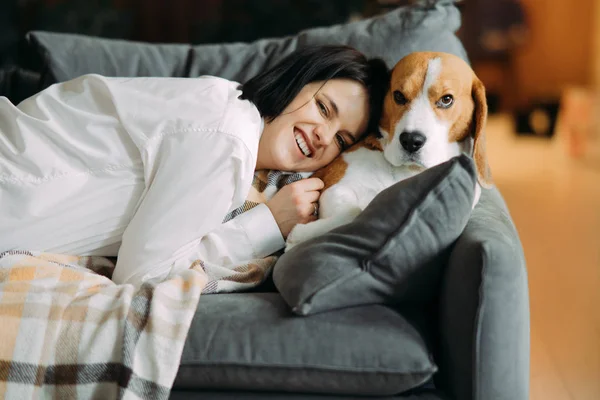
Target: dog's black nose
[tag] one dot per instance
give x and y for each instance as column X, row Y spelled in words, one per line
column 412, row 141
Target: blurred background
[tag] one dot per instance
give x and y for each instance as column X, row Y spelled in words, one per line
column 532, row 55
column 540, row 63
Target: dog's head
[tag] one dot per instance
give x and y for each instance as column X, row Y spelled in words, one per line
column 434, row 110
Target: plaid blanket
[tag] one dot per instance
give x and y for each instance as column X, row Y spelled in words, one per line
column 69, row 332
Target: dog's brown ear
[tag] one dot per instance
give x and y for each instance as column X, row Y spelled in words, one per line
column 484, row 175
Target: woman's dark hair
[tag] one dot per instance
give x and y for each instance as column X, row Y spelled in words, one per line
column 273, row 90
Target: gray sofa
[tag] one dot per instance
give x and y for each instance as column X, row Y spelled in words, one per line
column 468, row 340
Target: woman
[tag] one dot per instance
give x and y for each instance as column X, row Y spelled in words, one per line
column 147, row 168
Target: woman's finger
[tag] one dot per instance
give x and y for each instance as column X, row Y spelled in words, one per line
column 310, row 184
column 310, row 216
column 311, row 209
column 312, row 196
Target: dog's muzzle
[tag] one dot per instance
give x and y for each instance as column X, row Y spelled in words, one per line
column 412, row 141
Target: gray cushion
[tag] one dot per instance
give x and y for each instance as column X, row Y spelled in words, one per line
column 390, row 36
column 251, row 341
column 393, row 251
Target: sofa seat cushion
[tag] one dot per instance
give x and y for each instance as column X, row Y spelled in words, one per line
column 252, row 341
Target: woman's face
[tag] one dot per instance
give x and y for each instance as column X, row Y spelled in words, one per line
column 322, row 121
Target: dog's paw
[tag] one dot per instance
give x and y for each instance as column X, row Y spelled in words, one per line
column 477, row 195
column 296, row 236
column 289, row 246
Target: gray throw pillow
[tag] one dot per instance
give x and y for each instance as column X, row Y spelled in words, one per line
column 425, row 25
column 394, row 251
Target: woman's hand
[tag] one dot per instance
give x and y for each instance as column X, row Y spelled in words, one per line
column 295, row 203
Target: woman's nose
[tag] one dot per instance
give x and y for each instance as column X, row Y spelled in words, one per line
column 323, row 135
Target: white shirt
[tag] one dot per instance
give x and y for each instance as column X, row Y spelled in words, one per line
column 142, row 168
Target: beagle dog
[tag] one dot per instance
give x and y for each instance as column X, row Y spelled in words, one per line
column 435, row 109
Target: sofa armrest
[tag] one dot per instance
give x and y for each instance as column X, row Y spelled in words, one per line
column 484, row 309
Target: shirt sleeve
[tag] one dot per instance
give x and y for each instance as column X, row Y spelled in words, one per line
column 196, row 179
column 253, row 234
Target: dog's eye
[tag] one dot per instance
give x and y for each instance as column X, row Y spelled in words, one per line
column 399, row 98
column 446, row 101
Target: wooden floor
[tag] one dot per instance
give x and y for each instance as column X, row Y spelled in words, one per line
column 555, row 203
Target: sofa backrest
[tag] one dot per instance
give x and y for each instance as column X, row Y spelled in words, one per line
column 426, row 25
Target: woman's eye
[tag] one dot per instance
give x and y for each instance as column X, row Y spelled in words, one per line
column 446, row 101
column 323, row 109
column 399, row 98
column 340, row 141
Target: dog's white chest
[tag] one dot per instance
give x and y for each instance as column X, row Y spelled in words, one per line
column 367, row 174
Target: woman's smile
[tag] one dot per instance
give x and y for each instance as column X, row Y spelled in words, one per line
column 303, row 143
